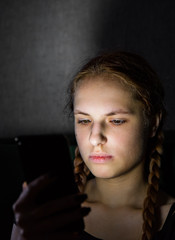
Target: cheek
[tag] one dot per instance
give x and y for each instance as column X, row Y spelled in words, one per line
column 81, row 138
column 79, row 134
column 129, row 143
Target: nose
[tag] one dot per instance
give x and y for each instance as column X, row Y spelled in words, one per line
column 97, row 136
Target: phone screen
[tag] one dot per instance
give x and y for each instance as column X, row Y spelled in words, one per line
column 48, row 154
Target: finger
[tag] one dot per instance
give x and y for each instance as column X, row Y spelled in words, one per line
column 59, row 205
column 24, row 185
column 53, row 223
column 44, row 211
column 30, row 192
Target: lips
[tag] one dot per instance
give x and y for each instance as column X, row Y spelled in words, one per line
column 100, row 157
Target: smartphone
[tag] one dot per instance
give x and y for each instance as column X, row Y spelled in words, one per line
column 47, row 154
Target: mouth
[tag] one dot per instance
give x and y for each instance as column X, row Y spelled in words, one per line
column 100, row 157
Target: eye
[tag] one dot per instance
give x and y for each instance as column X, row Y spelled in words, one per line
column 117, row 121
column 84, row 121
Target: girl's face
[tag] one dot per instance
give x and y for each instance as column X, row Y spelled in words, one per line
column 109, row 127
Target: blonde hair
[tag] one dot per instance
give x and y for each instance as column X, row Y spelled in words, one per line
column 137, row 75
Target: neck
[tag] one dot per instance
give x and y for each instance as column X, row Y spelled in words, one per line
column 126, row 190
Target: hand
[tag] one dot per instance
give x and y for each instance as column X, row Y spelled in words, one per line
column 49, row 220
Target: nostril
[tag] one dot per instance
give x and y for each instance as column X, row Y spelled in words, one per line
column 97, row 139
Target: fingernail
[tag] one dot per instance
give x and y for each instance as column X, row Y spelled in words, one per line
column 24, row 185
column 85, row 211
column 81, row 197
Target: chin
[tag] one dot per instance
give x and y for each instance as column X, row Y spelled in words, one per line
column 102, row 173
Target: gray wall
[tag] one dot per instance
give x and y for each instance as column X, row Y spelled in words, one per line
column 43, row 43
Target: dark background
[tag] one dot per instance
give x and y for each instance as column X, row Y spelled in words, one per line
column 44, row 42
column 42, row 45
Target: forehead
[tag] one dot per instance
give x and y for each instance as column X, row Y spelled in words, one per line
column 103, row 93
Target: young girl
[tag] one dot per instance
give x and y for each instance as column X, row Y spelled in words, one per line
column 117, row 101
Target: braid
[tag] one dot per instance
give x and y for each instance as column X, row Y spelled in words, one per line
column 150, row 206
column 80, row 171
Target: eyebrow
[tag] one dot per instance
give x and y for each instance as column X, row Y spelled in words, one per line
column 119, row 111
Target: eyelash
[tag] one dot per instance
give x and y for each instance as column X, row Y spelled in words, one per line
column 84, row 121
column 116, row 122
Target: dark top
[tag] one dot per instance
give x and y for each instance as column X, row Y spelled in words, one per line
column 166, row 233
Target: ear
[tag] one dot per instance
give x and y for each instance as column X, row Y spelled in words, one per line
column 155, row 124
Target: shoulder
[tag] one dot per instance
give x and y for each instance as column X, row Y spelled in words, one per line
column 168, row 203
column 167, row 214
column 168, row 229
column 167, row 211
column 165, row 202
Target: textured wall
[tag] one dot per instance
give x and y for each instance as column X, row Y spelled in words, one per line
column 43, row 43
